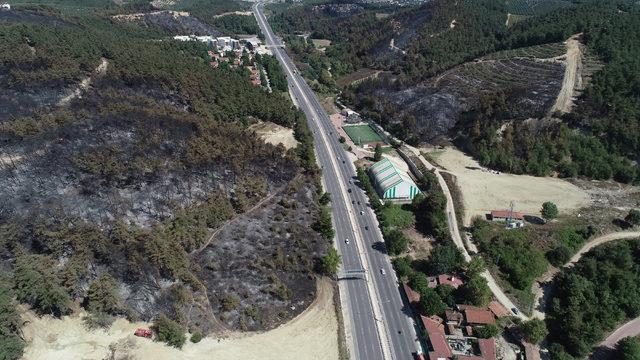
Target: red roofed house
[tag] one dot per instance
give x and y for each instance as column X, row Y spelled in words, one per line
column 478, row 316
column 435, row 332
column 447, row 279
column 503, row 215
column 487, row 348
column 498, row 309
column 433, row 323
column 256, row 82
column 412, row 296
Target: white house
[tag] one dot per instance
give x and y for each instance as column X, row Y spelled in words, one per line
column 5, row 6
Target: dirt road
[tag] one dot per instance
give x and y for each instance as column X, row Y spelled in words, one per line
column 100, row 70
column 601, row 240
column 631, row 328
column 572, row 76
column 312, row 335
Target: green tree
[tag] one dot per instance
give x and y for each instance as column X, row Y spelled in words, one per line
column 196, row 337
column 38, row 285
column 431, row 303
column 445, row 259
column 633, row 217
column 475, row 267
column 325, row 199
column 403, row 266
column 169, row 331
column 475, row 291
column 534, row 330
column 11, row 344
column 549, row 210
column 629, row 348
column 419, row 282
column 331, row 261
column 396, row 242
column 324, row 225
column 103, row 295
column 487, row 331
column 377, row 153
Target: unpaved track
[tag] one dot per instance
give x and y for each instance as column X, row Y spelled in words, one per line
column 312, row 335
column 572, row 77
column 100, row 70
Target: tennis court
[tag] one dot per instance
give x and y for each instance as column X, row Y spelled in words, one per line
column 362, row 134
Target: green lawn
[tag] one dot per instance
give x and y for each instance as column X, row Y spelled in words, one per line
column 361, row 134
column 397, row 216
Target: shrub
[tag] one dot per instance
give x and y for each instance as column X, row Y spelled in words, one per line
column 169, row 332
column 196, row 337
column 98, row 320
column 331, row 261
column 534, row 330
column 486, row 331
column 396, row 242
column 445, row 259
column 629, row 348
column 549, row 210
column 633, row 217
column 431, row 302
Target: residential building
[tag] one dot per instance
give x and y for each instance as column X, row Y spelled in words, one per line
column 5, row 6
column 391, row 182
column 444, row 279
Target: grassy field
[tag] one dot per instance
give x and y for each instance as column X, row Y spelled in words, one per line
column 362, row 134
column 397, row 216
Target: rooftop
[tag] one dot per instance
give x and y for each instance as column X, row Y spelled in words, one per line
column 505, row 214
column 387, row 175
column 479, row 316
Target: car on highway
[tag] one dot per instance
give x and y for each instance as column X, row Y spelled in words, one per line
column 366, row 227
column 361, row 212
column 382, row 271
column 349, row 190
column 346, row 241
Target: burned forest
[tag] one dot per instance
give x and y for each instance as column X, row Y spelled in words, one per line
column 127, row 169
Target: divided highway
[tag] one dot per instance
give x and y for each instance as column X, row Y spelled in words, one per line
column 379, row 325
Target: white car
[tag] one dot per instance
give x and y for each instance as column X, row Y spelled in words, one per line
column 361, row 212
column 382, row 271
column 346, row 241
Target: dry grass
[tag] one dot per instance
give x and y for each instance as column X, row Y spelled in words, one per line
column 312, row 335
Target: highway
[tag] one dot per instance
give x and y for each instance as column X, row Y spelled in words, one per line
column 379, row 325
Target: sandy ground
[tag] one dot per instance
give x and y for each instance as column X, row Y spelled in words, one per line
column 572, row 77
column 275, row 134
column 312, row 335
column 483, row 191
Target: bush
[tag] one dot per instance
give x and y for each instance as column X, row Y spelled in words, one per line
column 633, row 217
column 103, row 295
column 559, row 255
column 475, row 291
column 445, row 259
column 98, row 320
column 516, row 257
column 394, row 215
column 396, row 242
column 431, row 302
column 534, row 330
column 403, row 266
column 196, row 337
column 549, row 210
column 487, row 331
column 331, row 261
column 629, row 349
column 169, row 332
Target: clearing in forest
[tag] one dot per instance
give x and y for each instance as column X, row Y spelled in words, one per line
column 483, row 190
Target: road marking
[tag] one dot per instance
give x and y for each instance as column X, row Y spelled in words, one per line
column 380, row 327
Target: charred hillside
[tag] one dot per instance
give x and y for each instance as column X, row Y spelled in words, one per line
column 127, row 167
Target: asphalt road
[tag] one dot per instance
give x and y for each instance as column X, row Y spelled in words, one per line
column 379, row 320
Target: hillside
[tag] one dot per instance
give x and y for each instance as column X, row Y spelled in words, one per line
column 128, row 170
column 562, row 76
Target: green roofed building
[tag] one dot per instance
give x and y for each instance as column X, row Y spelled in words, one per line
column 391, row 182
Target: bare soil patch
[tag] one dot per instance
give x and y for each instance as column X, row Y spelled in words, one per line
column 275, row 134
column 483, row 190
column 312, row 335
column 572, row 76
